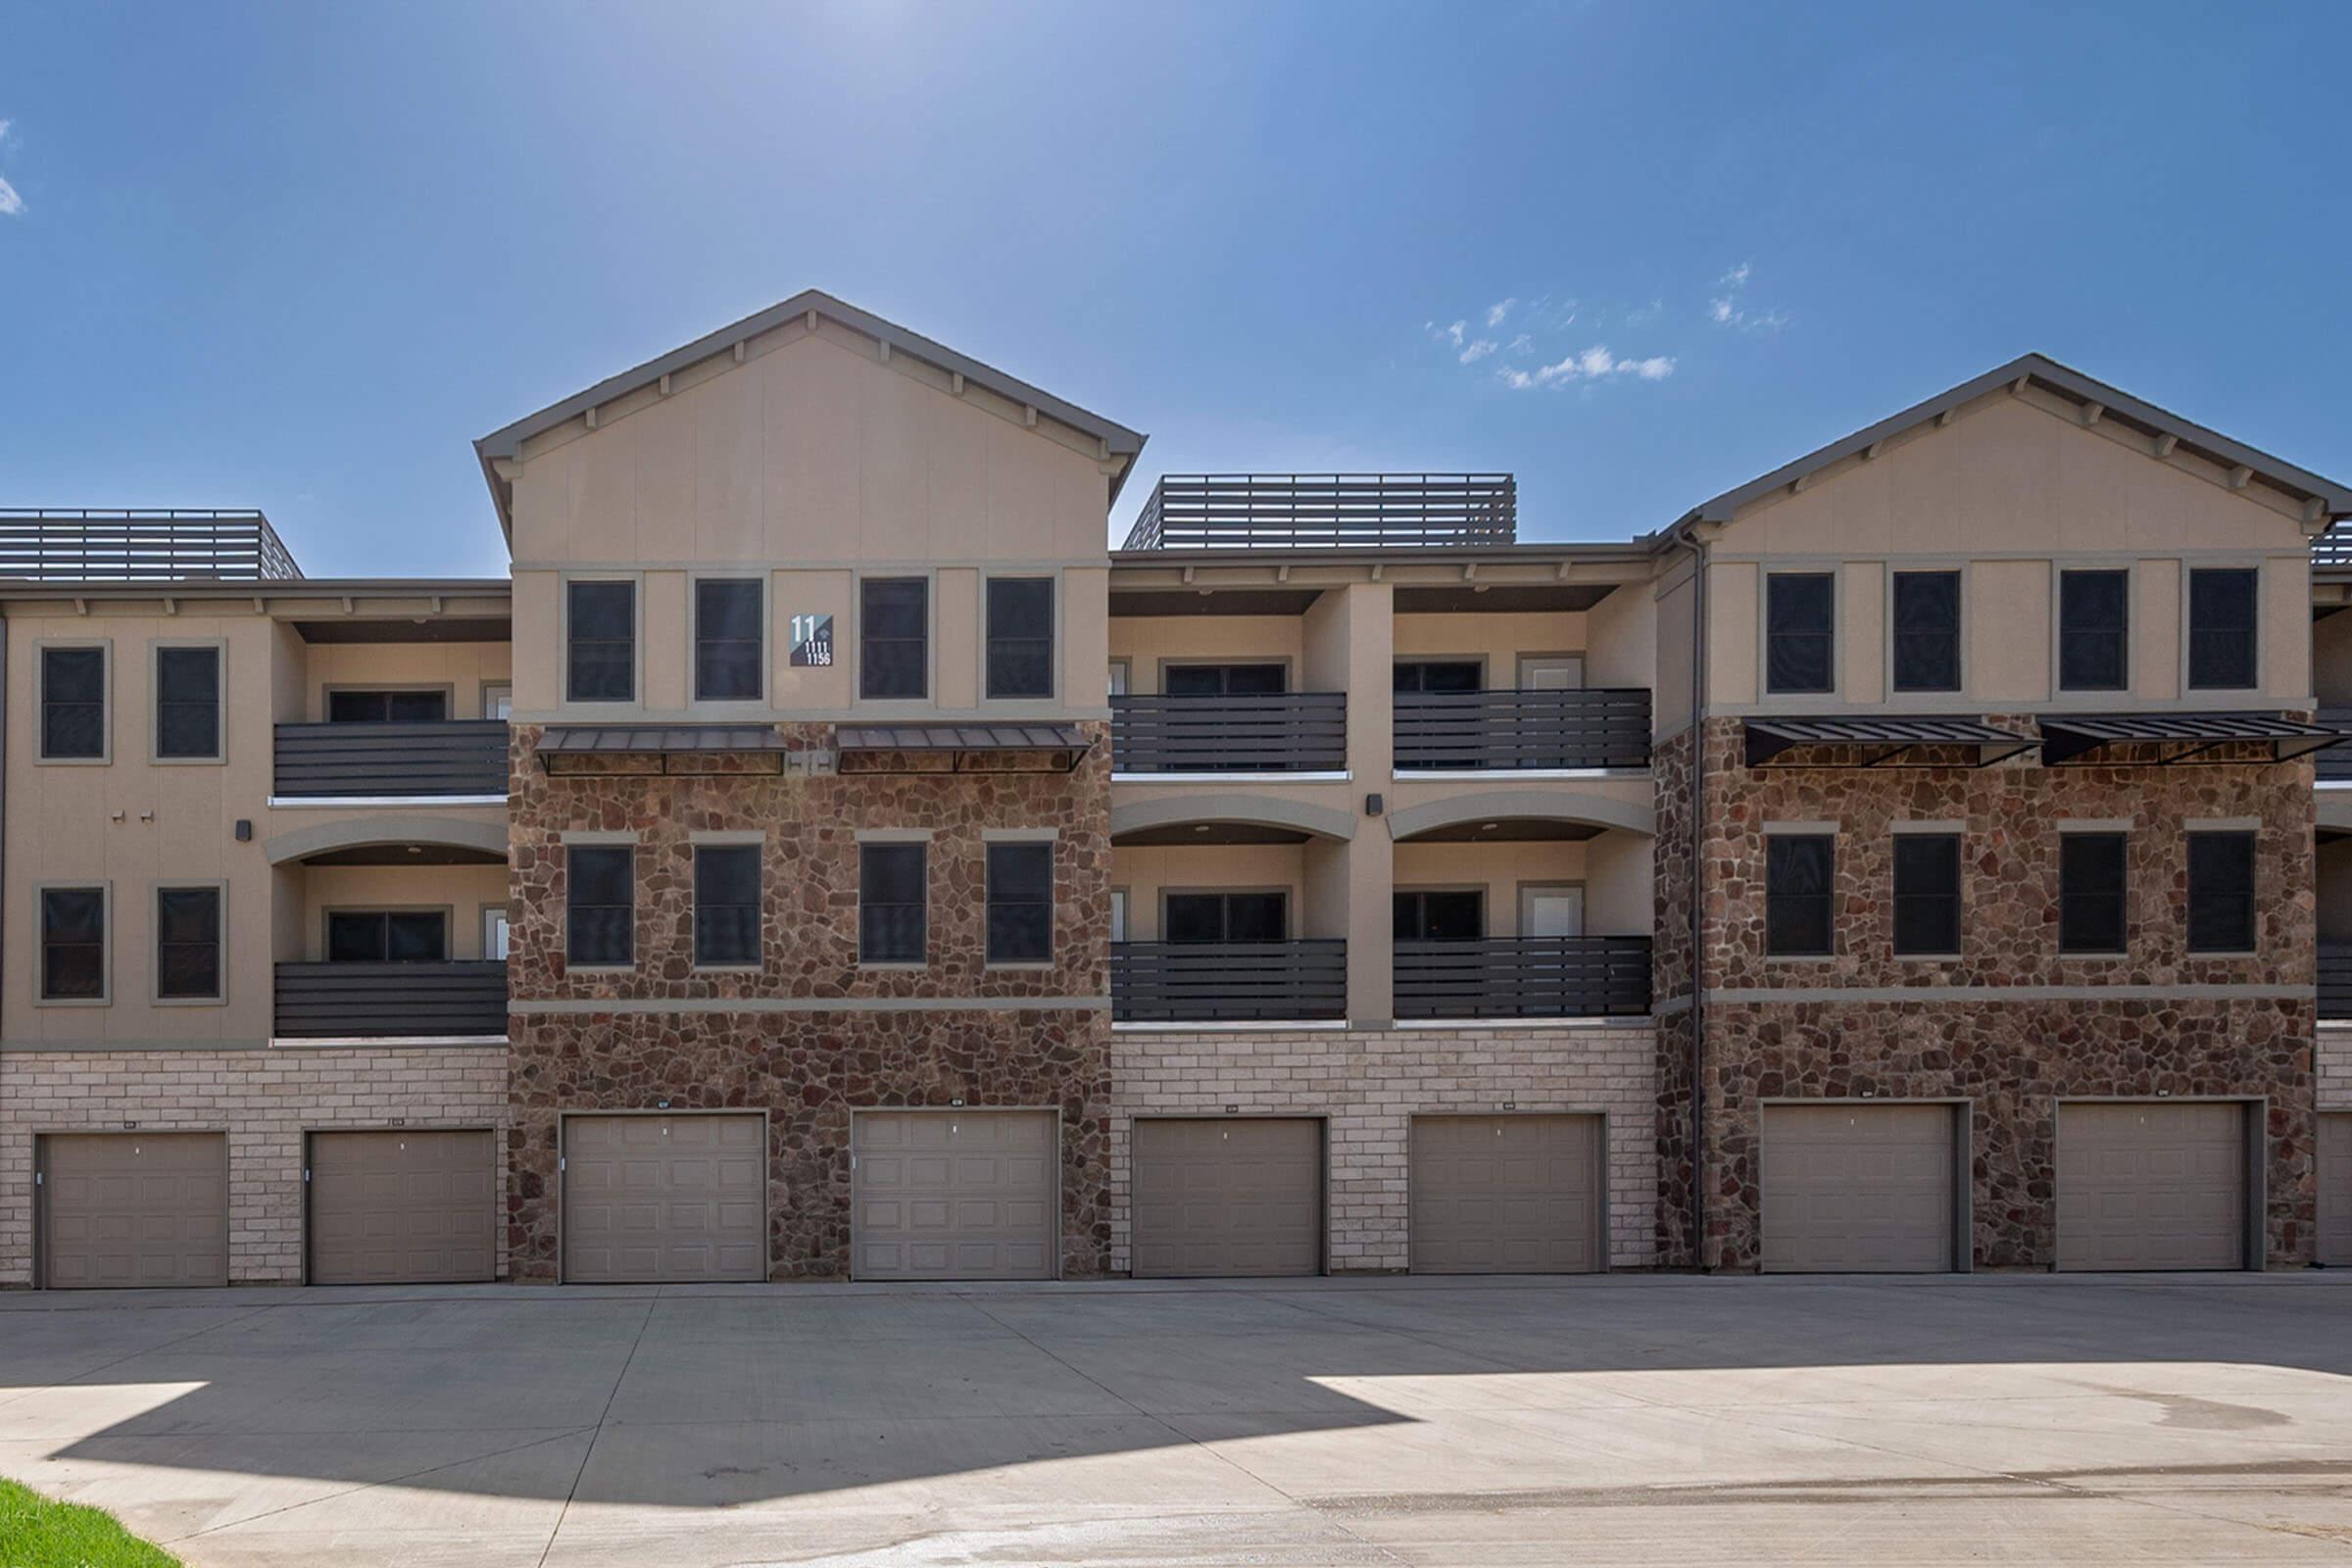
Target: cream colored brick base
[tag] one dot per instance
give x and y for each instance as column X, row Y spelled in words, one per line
column 2333, row 1054
column 1370, row 1083
column 264, row 1099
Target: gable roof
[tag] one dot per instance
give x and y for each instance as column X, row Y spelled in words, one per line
column 2325, row 501
column 506, row 442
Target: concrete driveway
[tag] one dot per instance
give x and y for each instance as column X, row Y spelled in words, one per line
column 1672, row 1420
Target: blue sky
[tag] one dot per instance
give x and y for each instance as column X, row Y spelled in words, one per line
column 298, row 257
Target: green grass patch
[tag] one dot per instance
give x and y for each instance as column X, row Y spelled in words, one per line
column 36, row 1533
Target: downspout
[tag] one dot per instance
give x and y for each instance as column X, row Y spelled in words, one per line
column 1698, row 871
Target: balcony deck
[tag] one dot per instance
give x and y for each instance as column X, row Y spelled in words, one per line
column 457, row 758
column 1327, row 511
column 462, row 999
column 1291, row 732
column 1522, row 730
column 1524, row 977
column 1227, row 982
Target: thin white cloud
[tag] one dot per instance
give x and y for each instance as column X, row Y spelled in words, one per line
column 1522, row 344
column 11, row 204
column 1736, row 279
column 1494, row 311
column 1595, row 363
column 1471, row 353
column 1726, row 309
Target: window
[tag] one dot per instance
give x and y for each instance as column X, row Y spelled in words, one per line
column 1224, row 680
column 891, row 903
column 387, row 936
column 729, row 652
column 73, row 944
column 187, row 704
column 1926, row 892
column 893, row 632
column 1434, row 675
column 2093, row 621
column 726, row 904
column 1437, row 916
column 1227, row 918
column 188, row 943
column 1927, row 631
column 388, row 708
column 73, row 703
column 1020, row 636
column 1799, row 872
column 2091, row 892
column 1020, row 903
column 1799, row 640
column 2221, row 628
column 1118, row 677
column 2220, row 893
column 498, row 698
column 601, row 621
column 599, row 917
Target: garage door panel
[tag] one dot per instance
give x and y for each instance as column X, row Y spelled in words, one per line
column 1853, row 1187
column 1517, row 1195
column 2151, row 1186
column 1232, row 1197
column 403, row 1206
column 662, row 1199
column 134, row 1209
column 2335, row 1188
column 954, row 1195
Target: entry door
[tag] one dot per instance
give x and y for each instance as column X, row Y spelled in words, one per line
column 1551, row 911
column 1561, row 673
column 494, row 934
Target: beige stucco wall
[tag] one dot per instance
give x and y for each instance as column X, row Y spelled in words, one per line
column 461, row 668
column 2332, row 658
column 1150, row 643
column 2014, row 489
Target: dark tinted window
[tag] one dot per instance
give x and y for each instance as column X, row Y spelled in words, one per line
column 1020, row 903
column 1020, row 637
column 1797, row 877
column 2091, row 892
column 1227, row 918
column 388, row 708
column 380, row 935
column 2093, row 618
column 1799, row 611
column 2220, row 893
column 1224, row 680
column 1927, row 631
column 893, row 632
column 726, row 903
column 601, row 661
column 1926, row 892
column 1439, row 916
column 728, row 648
column 1430, row 676
column 2221, row 628
column 187, row 702
column 187, row 942
column 892, row 899
column 72, row 702
column 599, row 917
column 73, row 944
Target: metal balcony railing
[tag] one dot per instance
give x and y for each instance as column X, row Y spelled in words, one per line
column 81, row 544
column 1291, row 732
column 1522, row 729
column 1224, row 982
column 1327, row 511
column 2335, row 980
column 391, row 1001
column 457, row 757
column 1524, row 977
column 2335, row 763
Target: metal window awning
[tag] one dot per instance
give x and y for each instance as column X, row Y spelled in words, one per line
column 1879, row 743
column 667, row 750
column 961, row 747
column 2174, row 738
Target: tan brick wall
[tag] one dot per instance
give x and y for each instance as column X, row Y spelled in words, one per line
column 264, row 1099
column 2334, row 1058
column 1370, row 1083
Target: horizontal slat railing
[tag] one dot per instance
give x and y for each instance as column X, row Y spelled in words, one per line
column 1223, row 982
column 1327, row 511
column 2335, row 980
column 462, row 756
column 85, row 545
column 1523, row 729
column 1524, row 977
column 2335, row 763
column 392, row 1001
column 1294, row 732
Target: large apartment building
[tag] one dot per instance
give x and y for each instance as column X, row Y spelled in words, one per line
column 823, row 857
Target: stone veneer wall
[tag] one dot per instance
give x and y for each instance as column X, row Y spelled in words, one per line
column 1369, row 1084
column 900, row 1042
column 2014, row 1059
column 265, row 1099
column 1669, row 996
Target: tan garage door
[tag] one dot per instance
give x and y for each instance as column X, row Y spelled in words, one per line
column 134, row 1209
column 2335, row 1188
column 661, row 1199
column 403, row 1207
column 1505, row 1194
column 2151, row 1186
column 954, row 1195
column 1226, row 1196
column 1855, row 1188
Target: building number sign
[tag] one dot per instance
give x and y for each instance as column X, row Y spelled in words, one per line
column 812, row 640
